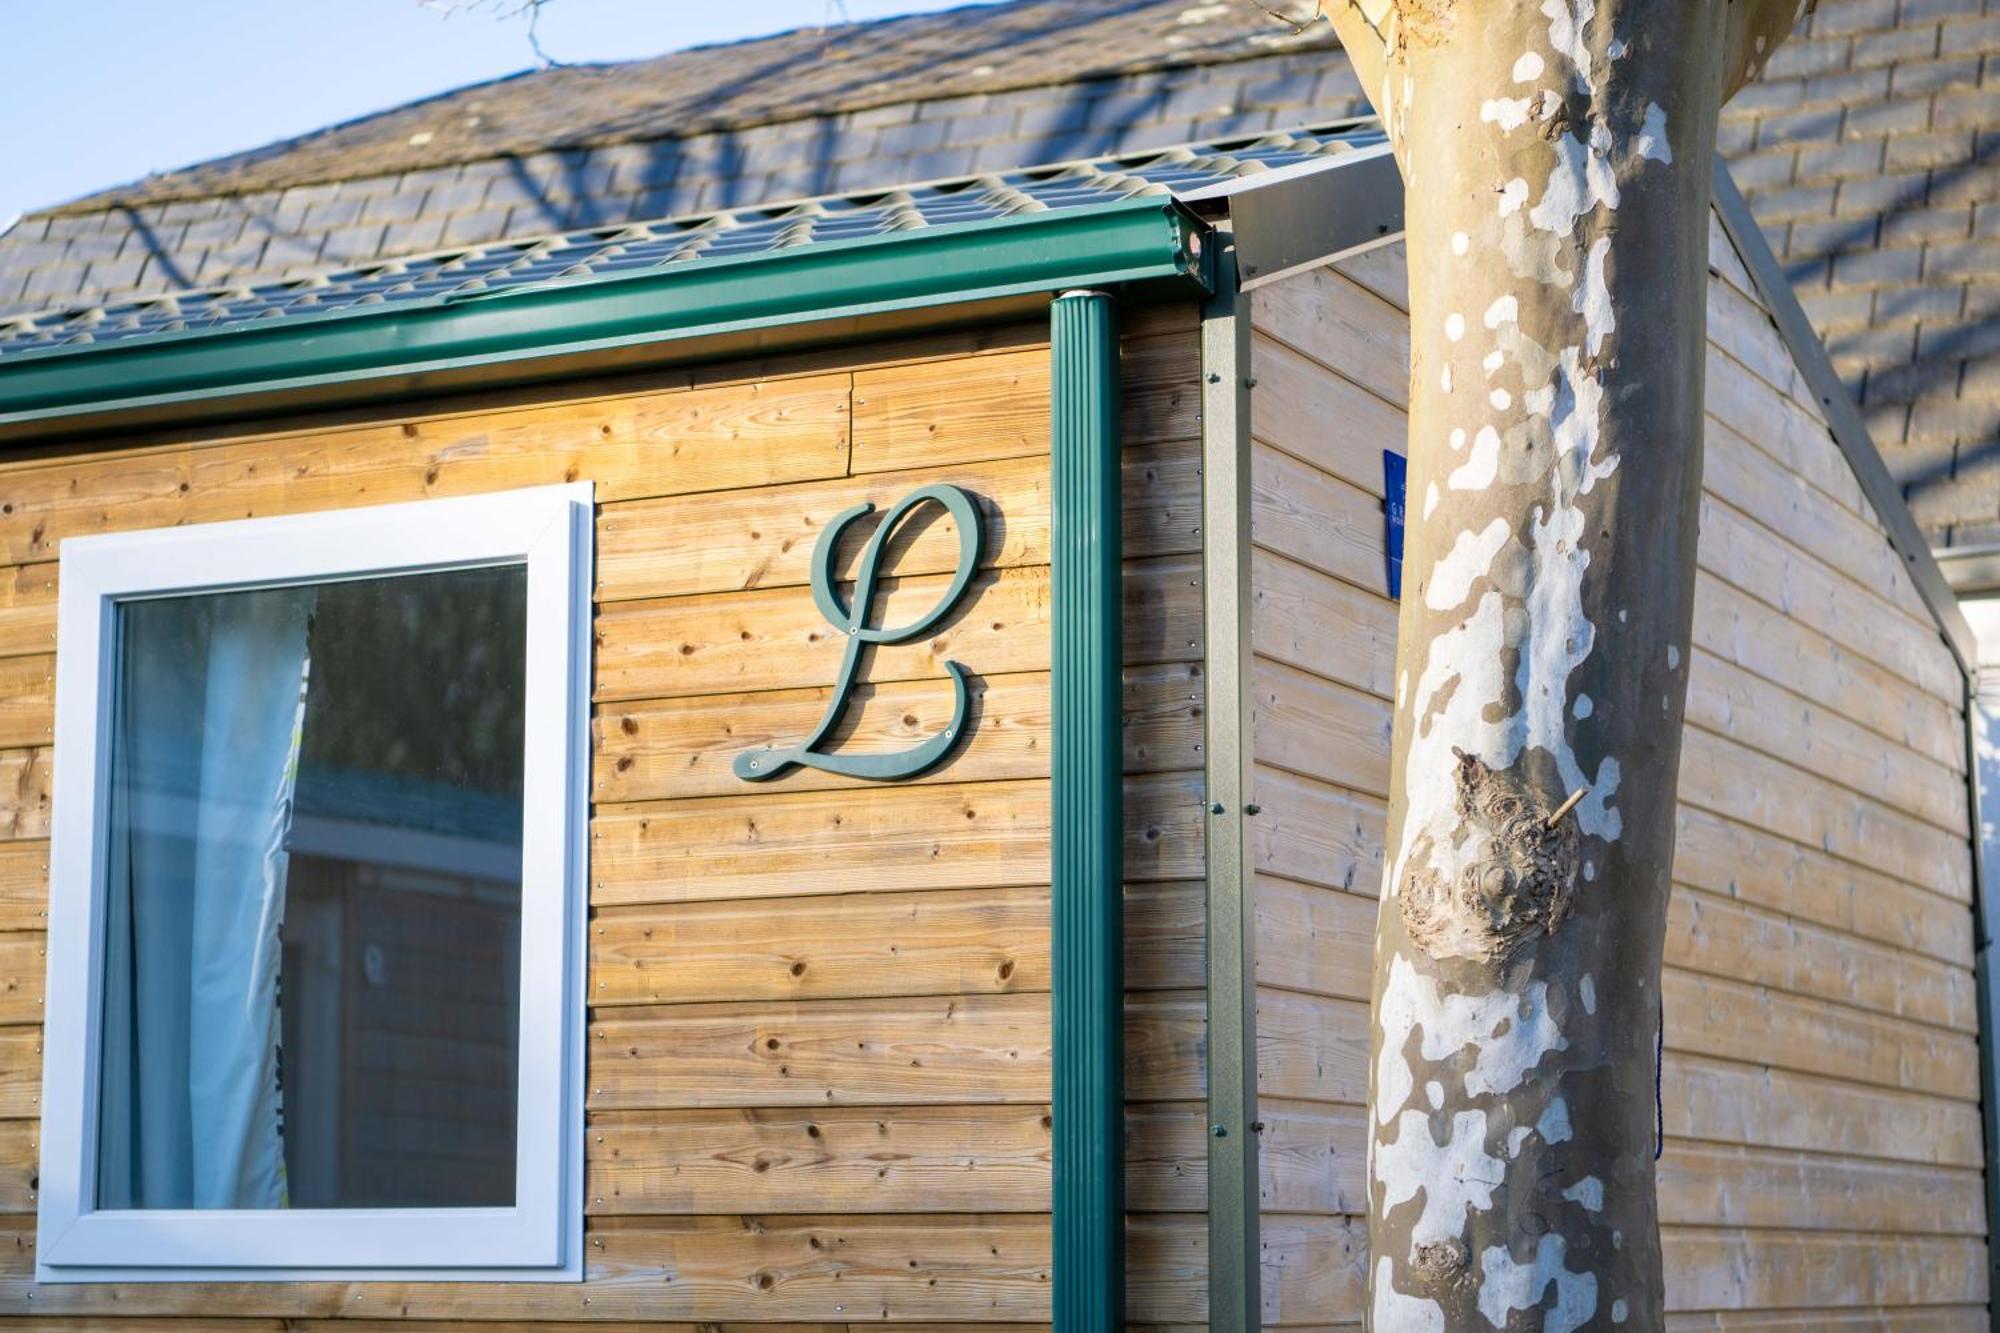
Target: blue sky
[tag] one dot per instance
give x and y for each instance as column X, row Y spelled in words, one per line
column 99, row 92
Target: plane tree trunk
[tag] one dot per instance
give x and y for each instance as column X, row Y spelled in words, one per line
column 1556, row 161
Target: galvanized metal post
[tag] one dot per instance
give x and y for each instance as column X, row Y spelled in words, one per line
column 1088, row 838
column 1233, row 1294
column 1979, row 734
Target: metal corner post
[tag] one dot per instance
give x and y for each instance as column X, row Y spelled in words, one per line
column 1985, row 932
column 1234, row 1298
column 1087, row 852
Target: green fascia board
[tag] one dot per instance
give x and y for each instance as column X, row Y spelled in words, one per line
column 1142, row 241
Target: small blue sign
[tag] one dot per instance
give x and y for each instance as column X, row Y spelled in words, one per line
column 1394, row 469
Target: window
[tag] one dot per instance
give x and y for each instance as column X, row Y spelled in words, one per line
column 315, row 940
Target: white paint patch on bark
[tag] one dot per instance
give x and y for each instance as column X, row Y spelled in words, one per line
column 1589, row 1192
column 1454, row 326
column 1513, row 196
column 1430, row 499
column 1567, row 20
column 1620, row 1311
column 1455, row 1177
column 1581, row 179
column 1554, row 1125
column 1456, row 439
column 1460, row 243
column 1469, row 560
column 1559, row 638
column 1586, row 990
column 1673, row 657
column 1508, row 1034
column 1481, row 466
column 1576, row 421
column 1434, row 1094
column 1396, row 1313
column 1493, row 361
column 1593, row 297
column 1583, row 707
column 1509, row 113
column 1505, row 310
column 1528, row 68
column 1501, row 400
column 1652, row 139
column 1509, row 1286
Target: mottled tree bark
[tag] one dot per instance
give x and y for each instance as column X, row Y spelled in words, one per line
column 1556, row 158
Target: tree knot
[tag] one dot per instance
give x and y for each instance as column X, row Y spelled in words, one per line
column 1446, row 1263
column 1508, row 875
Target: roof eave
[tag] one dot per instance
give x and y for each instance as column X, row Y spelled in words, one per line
column 520, row 334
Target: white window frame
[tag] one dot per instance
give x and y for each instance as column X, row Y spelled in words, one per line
column 540, row 1238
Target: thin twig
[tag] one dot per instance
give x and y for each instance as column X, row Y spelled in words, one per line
column 1555, row 816
column 1297, row 25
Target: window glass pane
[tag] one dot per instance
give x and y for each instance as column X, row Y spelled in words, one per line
column 313, row 913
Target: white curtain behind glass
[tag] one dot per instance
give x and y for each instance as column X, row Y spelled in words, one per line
column 204, row 766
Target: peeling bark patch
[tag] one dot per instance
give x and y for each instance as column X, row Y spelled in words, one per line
column 1517, row 885
column 1589, row 1192
column 1479, row 470
column 1470, row 560
column 1510, row 1286
column 1652, row 141
column 1554, row 1124
column 1455, row 1177
column 1424, row 22
column 1508, row 1035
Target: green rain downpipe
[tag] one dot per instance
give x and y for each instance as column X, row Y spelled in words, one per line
column 1088, row 805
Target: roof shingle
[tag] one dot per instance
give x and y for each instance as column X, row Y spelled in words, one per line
column 649, row 246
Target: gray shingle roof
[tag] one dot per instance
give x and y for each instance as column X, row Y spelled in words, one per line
column 1869, row 150
column 800, row 75
column 647, row 246
column 1870, row 153
column 1013, row 87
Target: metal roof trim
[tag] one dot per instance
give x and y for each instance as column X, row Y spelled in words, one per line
column 1142, row 241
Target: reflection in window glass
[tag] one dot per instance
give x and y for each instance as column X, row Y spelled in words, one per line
column 314, row 911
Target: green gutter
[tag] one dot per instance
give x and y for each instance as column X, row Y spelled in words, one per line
column 1130, row 242
column 1088, row 841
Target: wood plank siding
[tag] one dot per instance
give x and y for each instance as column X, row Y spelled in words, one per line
column 1821, row 1084
column 818, row 1064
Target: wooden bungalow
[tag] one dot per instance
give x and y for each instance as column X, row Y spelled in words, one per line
column 813, row 769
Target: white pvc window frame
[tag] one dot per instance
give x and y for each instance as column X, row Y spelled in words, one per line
column 540, row 1238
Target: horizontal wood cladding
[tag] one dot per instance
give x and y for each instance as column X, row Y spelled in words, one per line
column 365, row 1324
column 982, row 941
column 944, row 835
column 776, row 639
column 969, row 1268
column 736, row 541
column 818, row 1065
column 676, row 440
column 27, row 610
column 1820, row 1092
